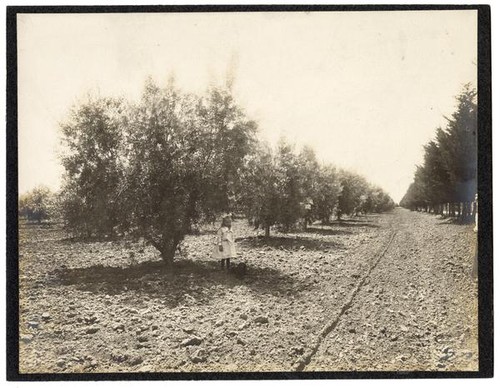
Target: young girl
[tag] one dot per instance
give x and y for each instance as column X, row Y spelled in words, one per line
column 225, row 248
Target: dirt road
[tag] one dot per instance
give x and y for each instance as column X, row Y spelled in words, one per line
column 379, row 292
column 417, row 308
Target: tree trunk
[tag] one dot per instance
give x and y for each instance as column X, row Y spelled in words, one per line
column 168, row 256
column 268, row 230
column 167, row 251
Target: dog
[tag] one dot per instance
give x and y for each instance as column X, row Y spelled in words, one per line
column 240, row 270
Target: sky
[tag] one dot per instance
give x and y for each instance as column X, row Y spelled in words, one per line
column 366, row 90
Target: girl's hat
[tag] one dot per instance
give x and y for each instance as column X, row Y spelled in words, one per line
column 226, row 215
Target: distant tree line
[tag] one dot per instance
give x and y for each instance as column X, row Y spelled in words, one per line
column 38, row 205
column 446, row 183
column 155, row 167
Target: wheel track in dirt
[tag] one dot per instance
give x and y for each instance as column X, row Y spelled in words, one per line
column 305, row 360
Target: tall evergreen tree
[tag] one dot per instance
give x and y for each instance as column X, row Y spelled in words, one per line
column 449, row 171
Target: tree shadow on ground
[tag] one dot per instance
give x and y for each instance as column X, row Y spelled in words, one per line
column 455, row 221
column 354, row 224
column 326, row 231
column 288, row 243
column 68, row 240
column 184, row 281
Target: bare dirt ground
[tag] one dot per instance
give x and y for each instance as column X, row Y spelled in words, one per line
column 387, row 292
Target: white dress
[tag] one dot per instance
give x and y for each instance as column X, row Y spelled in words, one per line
column 224, row 238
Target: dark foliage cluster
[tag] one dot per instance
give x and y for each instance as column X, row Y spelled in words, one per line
column 446, row 183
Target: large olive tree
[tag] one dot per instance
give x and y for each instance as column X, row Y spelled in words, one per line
column 152, row 168
column 183, row 156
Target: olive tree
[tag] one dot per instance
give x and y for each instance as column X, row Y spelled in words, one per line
column 259, row 195
column 182, row 154
column 92, row 138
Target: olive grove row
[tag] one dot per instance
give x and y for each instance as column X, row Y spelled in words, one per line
column 155, row 167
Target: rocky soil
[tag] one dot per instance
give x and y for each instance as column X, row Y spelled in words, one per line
column 378, row 292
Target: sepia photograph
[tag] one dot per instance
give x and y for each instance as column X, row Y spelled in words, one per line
column 230, row 190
